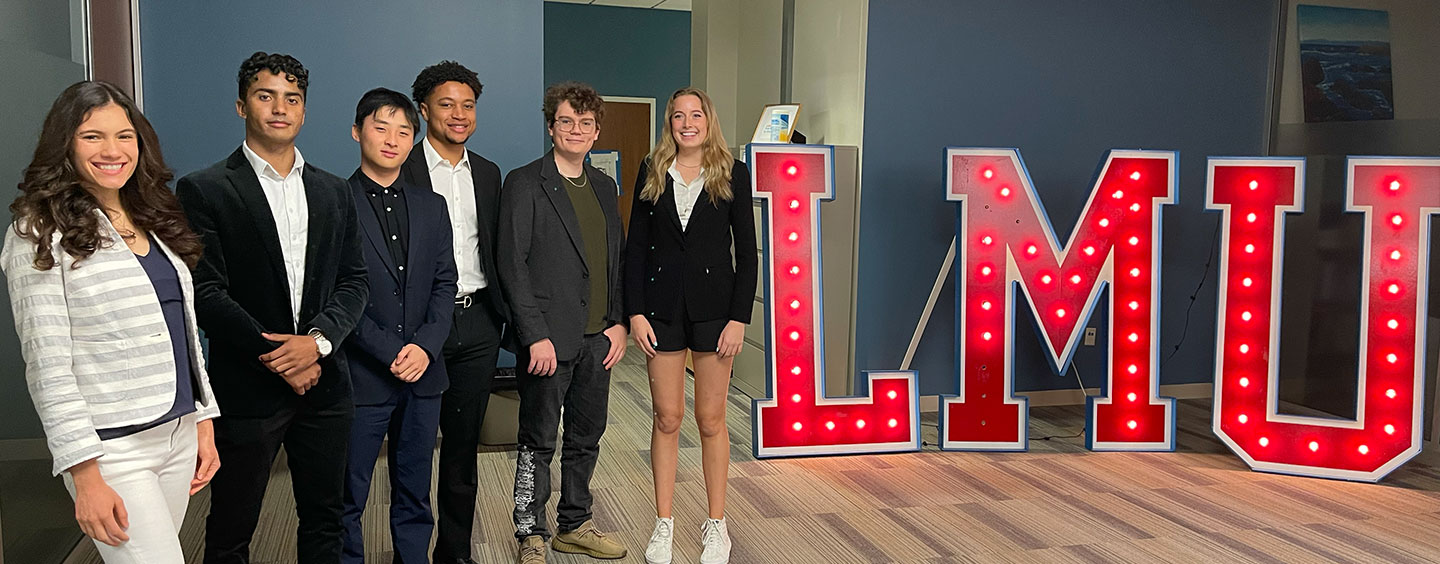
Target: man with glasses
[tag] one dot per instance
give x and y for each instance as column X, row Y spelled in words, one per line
column 559, row 259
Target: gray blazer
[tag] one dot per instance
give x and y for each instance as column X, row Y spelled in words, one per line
column 541, row 256
column 97, row 350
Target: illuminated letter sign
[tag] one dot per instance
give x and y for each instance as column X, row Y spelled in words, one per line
column 1397, row 197
column 1007, row 244
column 796, row 419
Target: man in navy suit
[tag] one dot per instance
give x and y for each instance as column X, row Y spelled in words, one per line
column 396, row 346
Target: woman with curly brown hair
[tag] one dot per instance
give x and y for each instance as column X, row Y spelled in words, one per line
column 98, row 263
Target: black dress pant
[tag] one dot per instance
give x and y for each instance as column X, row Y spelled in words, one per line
column 582, row 387
column 470, row 356
column 315, row 441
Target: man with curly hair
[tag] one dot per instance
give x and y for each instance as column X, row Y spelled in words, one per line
column 446, row 93
column 279, row 287
column 559, row 259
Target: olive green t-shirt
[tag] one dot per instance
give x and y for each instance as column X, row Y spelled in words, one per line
column 593, row 234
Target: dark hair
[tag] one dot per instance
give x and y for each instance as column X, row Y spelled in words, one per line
column 52, row 199
column 440, row 73
column 274, row 62
column 580, row 95
column 379, row 98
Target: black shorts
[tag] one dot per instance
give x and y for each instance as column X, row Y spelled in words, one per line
column 681, row 333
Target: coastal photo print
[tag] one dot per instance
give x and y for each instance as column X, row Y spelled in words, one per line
column 1345, row 64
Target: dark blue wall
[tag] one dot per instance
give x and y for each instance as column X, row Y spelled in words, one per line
column 1063, row 81
column 619, row 51
column 192, row 50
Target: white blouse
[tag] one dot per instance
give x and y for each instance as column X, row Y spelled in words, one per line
column 686, row 194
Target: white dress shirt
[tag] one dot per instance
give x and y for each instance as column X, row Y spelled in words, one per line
column 286, row 195
column 457, row 186
column 686, row 194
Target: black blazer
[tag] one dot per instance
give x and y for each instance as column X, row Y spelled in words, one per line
column 486, row 177
column 241, row 289
column 542, row 256
column 419, row 313
column 665, row 264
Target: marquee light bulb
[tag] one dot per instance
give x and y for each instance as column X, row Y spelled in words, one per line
column 892, row 423
column 1389, row 429
column 1104, row 222
column 1394, row 185
column 794, row 236
column 1395, row 254
column 892, row 394
column 830, row 425
column 985, row 270
column 1118, row 194
column 1135, row 272
column 985, row 305
column 795, row 398
column 792, row 170
column 988, row 174
column 1135, row 207
column 1089, row 251
column 1031, row 250
column 794, row 204
column 1246, row 316
column 1393, row 324
column 987, row 240
column 1244, row 382
column 794, row 335
column 1135, row 175
column 1396, row 220
column 1392, row 358
column 1134, row 240
column 1131, row 396
column 1132, row 369
column 1060, row 312
column 1045, row 279
column 797, row 426
column 860, row 424
column 985, row 335
column 1134, row 337
column 1314, row 446
column 1134, row 305
column 1390, row 393
column 794, row 304
column 1393, row 288
column 1005, row 191
column 1264, row 441
column 1246, row 282
column 1254, row 184
column 795, row 370
column 1075, row 279
column 1244, row 349
column 1251, row 217
column 1132, row 424
column 1364, row 449
column 1249, row 248
column 1243, row 418
column 794, row 271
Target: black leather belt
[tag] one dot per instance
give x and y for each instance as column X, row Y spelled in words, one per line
column 464, row 302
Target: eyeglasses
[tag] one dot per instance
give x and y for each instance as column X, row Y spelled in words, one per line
column 567, row 125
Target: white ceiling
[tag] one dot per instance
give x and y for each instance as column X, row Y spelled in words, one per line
column 682, row 5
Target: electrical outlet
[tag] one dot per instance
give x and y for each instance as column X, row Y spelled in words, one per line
column 1089, row 336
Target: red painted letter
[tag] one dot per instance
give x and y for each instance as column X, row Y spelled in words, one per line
column 1397, row 196
column 797, row 420
column 1007, row 244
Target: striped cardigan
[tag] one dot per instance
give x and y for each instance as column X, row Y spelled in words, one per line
column 96, row 347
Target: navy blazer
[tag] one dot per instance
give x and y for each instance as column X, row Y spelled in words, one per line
column 419, row 313
column 667, row 267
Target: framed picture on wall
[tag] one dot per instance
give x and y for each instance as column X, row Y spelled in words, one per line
column 776, row 124
column 1345, row 64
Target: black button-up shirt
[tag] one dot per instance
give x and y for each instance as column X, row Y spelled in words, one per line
column 388, row 203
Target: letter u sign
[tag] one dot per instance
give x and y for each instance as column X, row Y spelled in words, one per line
column 1397, row 197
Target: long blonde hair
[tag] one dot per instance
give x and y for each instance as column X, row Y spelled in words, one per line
column 715, row 157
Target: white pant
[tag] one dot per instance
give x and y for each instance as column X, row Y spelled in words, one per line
column 151, row 472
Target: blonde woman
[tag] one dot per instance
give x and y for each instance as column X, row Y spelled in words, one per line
column 686, row 292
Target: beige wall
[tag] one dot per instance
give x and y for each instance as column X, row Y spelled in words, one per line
column 1414, row 57
column 829, row 69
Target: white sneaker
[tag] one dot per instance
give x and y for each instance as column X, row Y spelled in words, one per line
column 716, row 540
column 658, row 551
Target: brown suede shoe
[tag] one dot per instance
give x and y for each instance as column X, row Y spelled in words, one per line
column 532, row 550
column 588, row 540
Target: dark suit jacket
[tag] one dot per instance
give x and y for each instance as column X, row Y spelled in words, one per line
column 241, row 289
column 542, row 256
column 419, row 313
column 665, row 264
column 486, row 177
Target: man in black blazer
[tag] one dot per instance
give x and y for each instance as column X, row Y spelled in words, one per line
column 280, row 286
column 393, row 351
column 559, row 257
column 446, row 94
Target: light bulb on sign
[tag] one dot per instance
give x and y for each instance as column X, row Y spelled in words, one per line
column 1393, row 324
column 1031, row 250
column 1393, row 288
column 794, row 271
column 795, row 398
column 1045, row 279
column 985, row 306
column 792, row 170
column 1249, row 248
column 1389, row 429
column 1395, row 255
column 1245, row 316
column 1246, row 282
column 987, row 240
column 1243, row 418
column 985, row 335
column 794, row 204
column 830, row 425
column 1244, row 382
column 1264, row 441
column 1244, row 348
column 1135, row 175
column 1364, row 449
column 1135, row 272
column 1135, row 207
column 1134, row 305
column 794, row 236
column 1392, row 358
column 1396, row 220
column 1060, row 312
column 797, row 426
column 1134, row 240
column 1089, row 251
column 1314, row 446
column 892, row 395
column 1251, row 217
column 988, row 174
column 892, row 423
column 1075, row 279
column 1131, row 396
column 985, row 270
column 794, row 304
column 1132, row 424
column 1390, row 393
column 1394, row 185
column 1005, row 191
column 794, row 335
column 1104, row 222
column 795, row 370
column 1132, row 369
column 860, row 424
column 1118, row 194
column 1134, row 337
column 1254, row 184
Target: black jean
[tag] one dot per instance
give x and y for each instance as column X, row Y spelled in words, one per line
column 470, row 355
column 315, row 441
column 582, row 387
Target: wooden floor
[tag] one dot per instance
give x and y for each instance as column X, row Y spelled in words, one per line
column 1056, row 503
